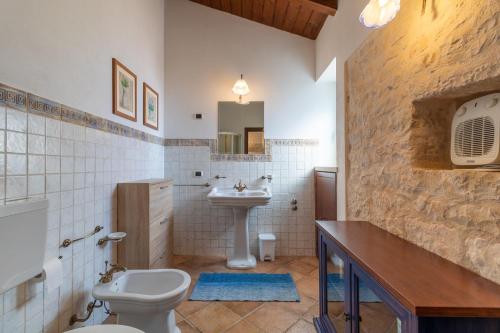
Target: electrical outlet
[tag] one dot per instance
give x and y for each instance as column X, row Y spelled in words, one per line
column 198, row 116
column 198, row 173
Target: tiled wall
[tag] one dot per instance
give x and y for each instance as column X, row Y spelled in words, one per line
column 77, row 169
column 202, row 229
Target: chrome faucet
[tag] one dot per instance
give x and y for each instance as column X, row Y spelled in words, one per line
column 240, row 187
column 268, row 177
column 107, row 277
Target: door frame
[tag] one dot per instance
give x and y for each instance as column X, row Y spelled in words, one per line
column 252, row 129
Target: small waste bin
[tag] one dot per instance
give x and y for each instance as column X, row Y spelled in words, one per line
column 267, row 245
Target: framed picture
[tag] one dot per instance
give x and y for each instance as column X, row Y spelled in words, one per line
column 124, row 91
column 150, row 107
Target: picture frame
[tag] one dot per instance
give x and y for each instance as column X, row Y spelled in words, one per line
column 124, row 91
column 150, row 102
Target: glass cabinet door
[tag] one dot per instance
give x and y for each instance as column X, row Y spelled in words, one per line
column 373, row 314
column 337, row 280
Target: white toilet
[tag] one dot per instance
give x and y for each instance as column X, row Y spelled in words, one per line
column 146, row 299
column 106, row 329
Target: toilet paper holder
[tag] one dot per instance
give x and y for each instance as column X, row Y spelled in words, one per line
column 39, row 277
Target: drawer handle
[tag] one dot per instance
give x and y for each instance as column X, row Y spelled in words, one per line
column 164, row 221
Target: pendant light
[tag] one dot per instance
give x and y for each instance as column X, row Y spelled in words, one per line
column 241, row 89
column 379, row 12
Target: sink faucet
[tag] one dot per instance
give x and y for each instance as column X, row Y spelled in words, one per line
column 108, row 275
column 240, row 187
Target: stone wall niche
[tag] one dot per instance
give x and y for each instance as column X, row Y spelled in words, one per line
column 430, row 131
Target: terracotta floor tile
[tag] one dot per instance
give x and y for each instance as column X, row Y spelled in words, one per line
column 188, row 307
column 181, row 259
column 308, row 287
column 301, row 267
column 244, row 326
column 214, row 318
column 242, row 308
column 310, row 260
column 185, row 327
column 298, row 307
column 178, row 317
column 207, row 260
column 284, row 269
column 311, row 313
column 302, row 326
column 272, row 318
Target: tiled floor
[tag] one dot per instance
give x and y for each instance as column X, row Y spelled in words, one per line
column 250, row 317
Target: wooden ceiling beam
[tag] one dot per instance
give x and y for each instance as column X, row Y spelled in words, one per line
column 324, row 6
column 301, row 17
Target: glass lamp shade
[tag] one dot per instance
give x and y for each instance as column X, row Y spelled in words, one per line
column 241, row 87
column 379, row 12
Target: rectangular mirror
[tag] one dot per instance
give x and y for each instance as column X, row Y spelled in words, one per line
column 241, row 128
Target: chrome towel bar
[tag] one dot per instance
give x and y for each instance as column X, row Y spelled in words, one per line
column 68, row 242
column 199, row 185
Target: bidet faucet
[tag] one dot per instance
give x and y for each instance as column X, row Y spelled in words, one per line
column 240, row 187
column 108, row 275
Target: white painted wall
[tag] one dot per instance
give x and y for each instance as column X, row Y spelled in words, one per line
column 207, row 50
column 62, row 50
column 340, row 36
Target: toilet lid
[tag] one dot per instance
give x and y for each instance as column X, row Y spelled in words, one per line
column 106, row 329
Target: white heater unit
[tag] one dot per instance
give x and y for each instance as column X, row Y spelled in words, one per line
column 475, row 133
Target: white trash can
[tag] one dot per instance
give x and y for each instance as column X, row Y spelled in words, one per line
column 267, row 246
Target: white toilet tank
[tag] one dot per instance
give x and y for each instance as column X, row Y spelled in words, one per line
column 23, row 235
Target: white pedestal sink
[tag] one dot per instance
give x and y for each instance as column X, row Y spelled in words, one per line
column 240, row 202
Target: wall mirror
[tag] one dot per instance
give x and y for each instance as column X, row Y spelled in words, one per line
column 241, row 128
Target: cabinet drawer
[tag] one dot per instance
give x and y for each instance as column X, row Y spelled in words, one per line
column 158, row 240
column 160, row 198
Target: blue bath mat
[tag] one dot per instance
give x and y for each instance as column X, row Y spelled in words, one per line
column 336, row 290
column 245, row 287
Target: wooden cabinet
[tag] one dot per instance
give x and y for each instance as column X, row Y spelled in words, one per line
column 373, row 281
column 325, row 180
column 325, row 194
column 145, row 213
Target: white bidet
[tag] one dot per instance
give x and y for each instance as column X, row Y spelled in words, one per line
column 146, row 299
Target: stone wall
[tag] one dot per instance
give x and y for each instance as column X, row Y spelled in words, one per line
column 402, row 83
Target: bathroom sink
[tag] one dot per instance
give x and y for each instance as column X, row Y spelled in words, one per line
column 229, row 197
column 241, row 203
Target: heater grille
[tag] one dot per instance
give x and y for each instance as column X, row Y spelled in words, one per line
column 474, row 137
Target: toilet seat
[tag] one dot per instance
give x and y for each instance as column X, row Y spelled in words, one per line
column 106, row 329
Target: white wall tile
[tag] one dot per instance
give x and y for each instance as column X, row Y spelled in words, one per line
column 36, row 124
column 16, row 142
column 17, row 120
column 80, row 190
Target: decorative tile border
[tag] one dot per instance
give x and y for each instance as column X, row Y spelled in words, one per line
column 24, row 101
column 12, row 97
column 188, row 142
column 214, row 156
column 43, row 107
column 241, row 157
column 294, row 142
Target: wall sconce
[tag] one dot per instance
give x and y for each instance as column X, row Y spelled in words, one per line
column 379, row 12
column 241, row 89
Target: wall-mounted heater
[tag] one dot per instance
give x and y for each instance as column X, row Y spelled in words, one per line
column 475, row 133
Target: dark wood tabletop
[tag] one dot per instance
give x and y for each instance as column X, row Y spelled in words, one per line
column 425, row 283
